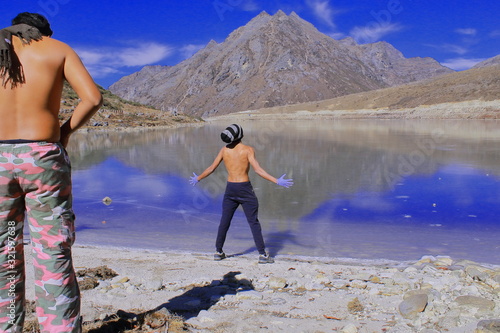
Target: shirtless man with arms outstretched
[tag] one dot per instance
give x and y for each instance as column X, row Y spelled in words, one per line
column 35, row 174
column 237, row 159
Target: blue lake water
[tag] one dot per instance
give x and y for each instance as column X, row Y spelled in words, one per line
column 364, row 189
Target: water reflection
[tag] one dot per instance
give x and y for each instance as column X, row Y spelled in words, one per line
column 363, row 188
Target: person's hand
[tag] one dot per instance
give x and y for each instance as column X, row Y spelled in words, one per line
column 193, row 180
column 284, row 182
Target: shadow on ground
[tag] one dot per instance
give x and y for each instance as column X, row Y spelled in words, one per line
column 171, row 316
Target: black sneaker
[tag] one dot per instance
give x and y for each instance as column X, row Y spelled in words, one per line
column 265, row 259
column 219, row 256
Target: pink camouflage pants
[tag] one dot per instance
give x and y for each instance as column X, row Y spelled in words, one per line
column 35, row 180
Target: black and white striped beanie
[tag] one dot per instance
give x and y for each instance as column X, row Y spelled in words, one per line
column 232, row 133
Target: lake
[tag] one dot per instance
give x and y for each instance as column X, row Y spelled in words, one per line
column 364, row 189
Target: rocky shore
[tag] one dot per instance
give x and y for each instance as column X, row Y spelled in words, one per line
column 139, row 291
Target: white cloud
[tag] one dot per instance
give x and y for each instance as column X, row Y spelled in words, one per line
column 467, row 31
column 144, row 55
column 336, row 35
column 455, row 49
column 102, row 61
column 495, row 33
column 450, row 48
column 374, row 31
column 323, row 11
column 460, row 64
column 187, row 51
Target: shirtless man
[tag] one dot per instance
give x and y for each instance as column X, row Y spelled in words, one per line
column 35, row 177
column 238, row 158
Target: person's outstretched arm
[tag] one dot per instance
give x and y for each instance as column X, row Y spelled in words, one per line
column 85, row 87
column 263, row 173
column 257, row 168
column 208, row 171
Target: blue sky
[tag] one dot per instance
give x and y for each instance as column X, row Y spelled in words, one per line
column 116, row 38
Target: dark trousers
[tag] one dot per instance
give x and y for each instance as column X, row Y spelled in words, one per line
column 240, row 194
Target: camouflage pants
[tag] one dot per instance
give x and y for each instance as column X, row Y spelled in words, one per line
column 35, row 179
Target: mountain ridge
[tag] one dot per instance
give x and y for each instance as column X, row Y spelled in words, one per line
column 473, row 93
column 273, row 60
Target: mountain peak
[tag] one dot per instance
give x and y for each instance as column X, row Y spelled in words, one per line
column 280, row 13
column 262, row 14
column 488, row 62
column 273, row 60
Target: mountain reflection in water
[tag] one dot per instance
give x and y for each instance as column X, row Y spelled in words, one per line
column 368, row 189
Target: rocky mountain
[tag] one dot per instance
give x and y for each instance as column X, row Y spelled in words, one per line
column 488, row 62
column 273, row 60
column 476, row 85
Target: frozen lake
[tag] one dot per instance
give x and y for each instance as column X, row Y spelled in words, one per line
column 364, row 189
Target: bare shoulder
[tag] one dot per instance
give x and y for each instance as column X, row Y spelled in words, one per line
column 55, row 43
column 45, row 41
column 47, row 46
column 248, row 148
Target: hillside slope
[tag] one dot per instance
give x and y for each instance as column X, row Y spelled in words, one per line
column 272, row 61
column 479, row 84
column 118, row 113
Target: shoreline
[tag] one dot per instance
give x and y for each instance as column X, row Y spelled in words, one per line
column 473, row 110
column 194, row 293
column 350, row 261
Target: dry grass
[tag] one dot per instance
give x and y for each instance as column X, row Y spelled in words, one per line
column 482, row 84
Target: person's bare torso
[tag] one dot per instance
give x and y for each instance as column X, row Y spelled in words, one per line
column 237, row 163
column 30, row 110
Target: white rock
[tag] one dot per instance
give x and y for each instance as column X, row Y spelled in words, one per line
column 349, row 328
column 314, row 286
column 358, row 284
column 362, row 276
column 413, row 305
column 477, row 273
column 427, row 259
column 205, row 317
column 321, row 278
column 339, row 284
column 488, row 326
column 277, row 283
column 480, row 303
column 249, row 294
column 410, row 269
column 443, row 261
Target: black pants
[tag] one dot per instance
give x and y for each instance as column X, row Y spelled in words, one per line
column 240, row 194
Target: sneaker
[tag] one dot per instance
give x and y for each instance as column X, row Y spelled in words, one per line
column 219, row 256
column 265, row 259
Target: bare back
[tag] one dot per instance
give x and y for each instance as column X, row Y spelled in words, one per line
column 236, row 161
column 237, row 158
column 30, row 110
